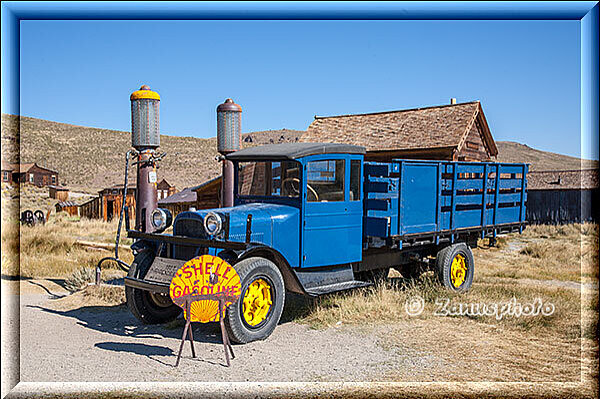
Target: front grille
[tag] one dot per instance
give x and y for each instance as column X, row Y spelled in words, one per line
column 188, row 228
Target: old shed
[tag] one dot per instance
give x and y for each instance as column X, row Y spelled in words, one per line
column 67, row 206
column 111, row 200
column 90, row 209
column 562, row 196
column 454, row 132
column 58, row 192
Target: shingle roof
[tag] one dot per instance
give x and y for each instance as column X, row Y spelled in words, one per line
column 418, row 128
column 66, row 204
column 7, row 166
column 563, row 179
column 24, row 167
column 186, row 195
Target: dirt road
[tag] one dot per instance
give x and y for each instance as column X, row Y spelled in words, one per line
column 99, row 343
column 106, row 343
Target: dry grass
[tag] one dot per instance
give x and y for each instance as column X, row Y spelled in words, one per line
column 80, row 278
column 565, row 253
column 385, row 303
column 92, row 297
column 48, row 250
column 474, row 347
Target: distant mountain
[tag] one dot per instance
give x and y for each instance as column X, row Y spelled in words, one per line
column 89, row 159
column 510, row 151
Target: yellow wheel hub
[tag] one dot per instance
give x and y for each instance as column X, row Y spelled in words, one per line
column 257, row 302
column 458, row 270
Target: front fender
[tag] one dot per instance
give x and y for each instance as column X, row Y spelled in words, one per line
column 262, row 251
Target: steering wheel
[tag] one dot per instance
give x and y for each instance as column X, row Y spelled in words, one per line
column 292, row 180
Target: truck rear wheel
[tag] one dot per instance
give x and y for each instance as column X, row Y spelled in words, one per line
column 148, row 307
column 455, row 267
column 256, row 313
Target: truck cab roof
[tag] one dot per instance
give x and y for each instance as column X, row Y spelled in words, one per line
column 292, row 151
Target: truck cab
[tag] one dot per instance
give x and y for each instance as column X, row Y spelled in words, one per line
column 315, row 218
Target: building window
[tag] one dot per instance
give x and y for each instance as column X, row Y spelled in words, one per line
column 53, row 179
column 31, row 178
column 5, row 176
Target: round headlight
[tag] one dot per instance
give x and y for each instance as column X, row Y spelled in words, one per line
column 161, row 218
column 213, row 223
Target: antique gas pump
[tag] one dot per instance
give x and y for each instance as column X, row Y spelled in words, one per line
column 145, row 139
column 229, row 139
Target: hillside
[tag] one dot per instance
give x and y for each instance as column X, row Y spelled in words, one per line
column 510, row 151
column 90, row 159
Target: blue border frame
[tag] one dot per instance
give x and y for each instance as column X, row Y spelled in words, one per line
column 14, row 12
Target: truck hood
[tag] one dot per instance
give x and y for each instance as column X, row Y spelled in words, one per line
column 266, row 219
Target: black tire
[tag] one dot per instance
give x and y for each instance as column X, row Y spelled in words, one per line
column 373, row 276
column 39, row 217
column 443, row 263
column 251, row 270
column 147, row 307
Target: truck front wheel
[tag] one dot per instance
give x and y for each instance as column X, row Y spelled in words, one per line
column 148, row 307
column 256, row 313
column 455, row 267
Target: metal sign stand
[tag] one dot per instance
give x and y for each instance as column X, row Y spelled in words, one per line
column 187, row 331
column 185, row 302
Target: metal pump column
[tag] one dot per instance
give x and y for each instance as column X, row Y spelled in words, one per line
column 229, row 139
column 145, row 138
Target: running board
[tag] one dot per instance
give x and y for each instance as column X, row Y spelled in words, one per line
column 337, row 287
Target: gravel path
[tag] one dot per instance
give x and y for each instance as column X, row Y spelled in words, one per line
column 99, row 343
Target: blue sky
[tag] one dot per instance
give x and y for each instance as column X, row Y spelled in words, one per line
column 525, row 73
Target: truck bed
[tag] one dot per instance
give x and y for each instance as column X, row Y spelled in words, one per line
column 411, row 198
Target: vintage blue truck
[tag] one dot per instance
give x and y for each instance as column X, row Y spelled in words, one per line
column 316, row 218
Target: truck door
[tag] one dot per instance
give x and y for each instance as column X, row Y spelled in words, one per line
column 332, row 210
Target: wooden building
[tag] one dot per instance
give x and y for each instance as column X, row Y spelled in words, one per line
column 562, row 196
column 203, row 196
column 68, row 206
column 111, row 200
column 90, row 209
column 7, row 172
column 29, row 173
column 180, row 201
column 208, row 194
column 164, row 189
column 454, row 132
column 58, row 192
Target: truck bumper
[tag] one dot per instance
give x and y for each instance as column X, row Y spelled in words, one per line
column 159, row 288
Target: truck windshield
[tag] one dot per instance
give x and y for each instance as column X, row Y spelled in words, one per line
column 269, row 178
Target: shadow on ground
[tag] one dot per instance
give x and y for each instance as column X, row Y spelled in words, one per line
column 117, row 320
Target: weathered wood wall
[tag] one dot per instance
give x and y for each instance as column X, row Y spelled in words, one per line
column 474, row 148
column 562, row 206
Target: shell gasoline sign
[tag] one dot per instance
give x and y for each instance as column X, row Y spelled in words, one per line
column 194, row 279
